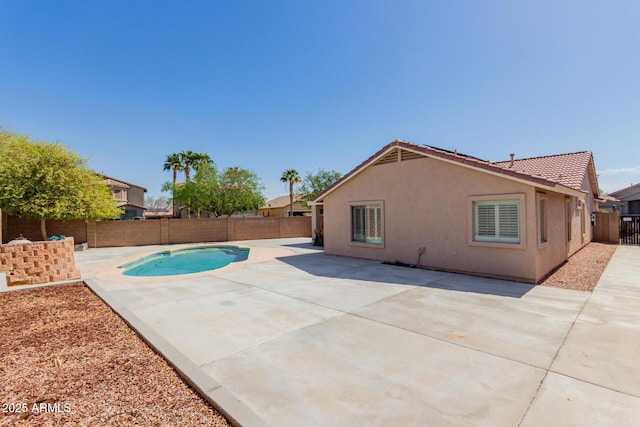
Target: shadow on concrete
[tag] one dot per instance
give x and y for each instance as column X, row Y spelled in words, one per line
column 320, row 264
column 308, row 245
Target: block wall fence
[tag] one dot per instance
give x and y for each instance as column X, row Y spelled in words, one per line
column 38, row 262
column 100, row 234
column 607, row 227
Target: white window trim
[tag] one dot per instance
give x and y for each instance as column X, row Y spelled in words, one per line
column 367, row 244
column 542, row 197
column 582, row 207
column 568, row 219
column 520, row 197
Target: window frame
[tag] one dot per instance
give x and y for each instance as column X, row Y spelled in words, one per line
column 568, row 219
column 365, row 205
column 542, row 214
column 498, row 199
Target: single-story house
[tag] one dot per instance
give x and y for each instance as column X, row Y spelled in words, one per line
column 280, row 206
column 516, row 219
column 130, row 197
column 628, row 200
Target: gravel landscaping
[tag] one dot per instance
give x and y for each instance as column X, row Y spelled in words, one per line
column 583, row 269
column 67, row 359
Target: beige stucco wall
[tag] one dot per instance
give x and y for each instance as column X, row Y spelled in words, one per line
column 426, row 204
column 135, row 195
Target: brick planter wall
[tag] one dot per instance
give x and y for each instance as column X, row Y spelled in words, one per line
column 38, row 262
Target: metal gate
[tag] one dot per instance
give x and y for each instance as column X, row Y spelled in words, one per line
column 630, row 229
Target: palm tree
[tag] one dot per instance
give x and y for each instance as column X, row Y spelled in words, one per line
column 187, row 158
column 200, row 160
column 292, row 177
column 174, row 164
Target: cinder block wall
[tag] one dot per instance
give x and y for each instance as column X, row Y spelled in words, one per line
column 30, row 229
column 250, row 229
column 127, row 233
column 607, row 228
column 99, row 234
column 198, row 230
column 297, row 226
column 38, row 262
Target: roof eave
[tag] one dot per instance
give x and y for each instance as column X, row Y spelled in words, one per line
column 452, row 158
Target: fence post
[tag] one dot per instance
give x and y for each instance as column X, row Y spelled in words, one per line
column 91, row 234
column 164, row 231
column 614, row 227
column 230, row 231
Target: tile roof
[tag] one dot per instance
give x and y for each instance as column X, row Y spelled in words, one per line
column 118, row 183
column 567, row 169
column 281, row 202
column 564, row 170
column 607, row 198
column 115, row 183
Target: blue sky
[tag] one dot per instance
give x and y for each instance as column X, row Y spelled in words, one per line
column 273, row 85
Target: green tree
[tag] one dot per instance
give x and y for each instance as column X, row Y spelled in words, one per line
column 50, row 182
column 204, row 187
column 239, row 190
column 292, row 177
column 189, row 161
column 232, row 191
column 315, row 183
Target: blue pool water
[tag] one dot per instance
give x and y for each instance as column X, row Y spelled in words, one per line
column 185, row 261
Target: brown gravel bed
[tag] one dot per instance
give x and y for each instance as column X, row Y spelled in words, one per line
column 583, row 269
column 67, row 359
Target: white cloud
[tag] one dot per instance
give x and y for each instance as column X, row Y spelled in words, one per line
column 620, row 171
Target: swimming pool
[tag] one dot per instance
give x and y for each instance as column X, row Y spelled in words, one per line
column 185, row 261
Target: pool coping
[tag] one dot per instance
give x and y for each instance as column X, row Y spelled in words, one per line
column 113, row 272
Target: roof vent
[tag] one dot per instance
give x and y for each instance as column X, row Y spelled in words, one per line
column 511, row 155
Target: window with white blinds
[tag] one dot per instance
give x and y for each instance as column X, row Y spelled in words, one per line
column 366, row 224
column 496, row 221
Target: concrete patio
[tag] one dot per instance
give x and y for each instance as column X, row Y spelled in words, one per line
column 297, row 338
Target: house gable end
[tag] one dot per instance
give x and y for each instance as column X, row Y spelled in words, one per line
column 399, row 150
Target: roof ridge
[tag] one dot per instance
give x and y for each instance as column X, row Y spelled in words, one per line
column 546, row 156
column 454, row 152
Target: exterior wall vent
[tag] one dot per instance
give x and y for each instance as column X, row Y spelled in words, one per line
column 391, row 157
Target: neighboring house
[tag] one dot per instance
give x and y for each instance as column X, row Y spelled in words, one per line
column 517, row 219
column 130, row 197
column 609, row 203
column 156, row 213
column 280, row 206
column 628, row 200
